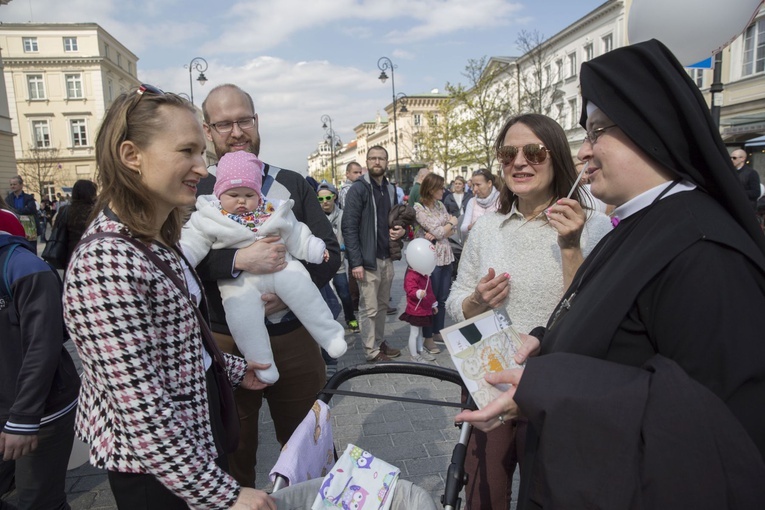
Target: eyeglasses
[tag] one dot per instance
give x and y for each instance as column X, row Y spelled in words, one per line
column 226, row 126
column 535, row 153
column 326, row 198
column 593, row 134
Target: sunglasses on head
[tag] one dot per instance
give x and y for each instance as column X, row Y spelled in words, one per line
column 535, row 153
column 145, row 88
column 326, row 198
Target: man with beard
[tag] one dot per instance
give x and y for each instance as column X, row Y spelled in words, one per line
column 367, row 246
column 231, row 123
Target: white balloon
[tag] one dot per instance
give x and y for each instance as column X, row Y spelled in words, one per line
column 692, row 29
column 79, row 456
column 421, row 256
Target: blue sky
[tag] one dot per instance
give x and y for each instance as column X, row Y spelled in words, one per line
column 301, row 59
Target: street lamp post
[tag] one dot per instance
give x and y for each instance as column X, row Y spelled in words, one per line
column 200, row 65
column 383, row 64
column 333, row 139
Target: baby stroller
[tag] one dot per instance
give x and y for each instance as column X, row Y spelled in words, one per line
column 455, row 475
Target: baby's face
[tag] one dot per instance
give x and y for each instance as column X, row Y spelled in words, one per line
column 240, row 200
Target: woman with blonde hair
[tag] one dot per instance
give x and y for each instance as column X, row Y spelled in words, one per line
column 156, row 404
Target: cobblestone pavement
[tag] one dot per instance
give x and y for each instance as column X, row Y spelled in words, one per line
column 416, row 438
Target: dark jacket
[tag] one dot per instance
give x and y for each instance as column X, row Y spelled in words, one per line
column 631, row 438
column 451, row 204
column 38, row 380
column 29, row 206
column 401, row 215
column 750, row 180
column 359, row 225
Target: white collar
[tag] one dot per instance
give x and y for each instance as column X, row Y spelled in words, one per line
column 647, row 197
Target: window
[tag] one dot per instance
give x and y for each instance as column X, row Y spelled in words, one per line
column 697, row 75
column 41, row 134
column 36, row 86
column 417, row 119
column 119, row 60
column 73, row 86
column 79, row 133
column 106, row 51
column 572, row 113
column 110, row 86
column 48, row 190
column 754, row 48
column 559, row 68
column 608, row 43
column 130, row 68
column 70, row 44
column 588, row 53
column 30, row 44
column 547, row 75
column 572, row 68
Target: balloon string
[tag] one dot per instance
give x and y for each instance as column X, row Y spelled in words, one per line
column 426, row 290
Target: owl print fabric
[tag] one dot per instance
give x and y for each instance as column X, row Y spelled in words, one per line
column 359, row 481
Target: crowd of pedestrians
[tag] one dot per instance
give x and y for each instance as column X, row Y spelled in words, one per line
column 643, row 370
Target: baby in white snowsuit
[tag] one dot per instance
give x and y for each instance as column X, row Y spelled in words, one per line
column 237, row 216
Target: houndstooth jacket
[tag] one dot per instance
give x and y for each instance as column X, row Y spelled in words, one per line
column 143, row 403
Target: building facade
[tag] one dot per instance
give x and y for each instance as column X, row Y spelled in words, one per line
column 60, row 80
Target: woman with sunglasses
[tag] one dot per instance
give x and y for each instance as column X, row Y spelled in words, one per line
column 156, row 403
column 522, row 258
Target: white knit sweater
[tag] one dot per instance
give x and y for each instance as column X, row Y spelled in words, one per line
column 527, row 250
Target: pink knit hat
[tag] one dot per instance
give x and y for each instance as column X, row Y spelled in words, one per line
column 239, row 169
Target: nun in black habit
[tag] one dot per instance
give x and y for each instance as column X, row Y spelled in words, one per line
column 648, row 390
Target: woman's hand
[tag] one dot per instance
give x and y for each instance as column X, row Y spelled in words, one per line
column 252, row 499
column 568, row 218
column 250, row 380
column 487, row 418
column 429, row 236
column 492, row 290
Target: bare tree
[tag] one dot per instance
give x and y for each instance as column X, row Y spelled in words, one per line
column 482, row 106
column 536, row 77
column 439, row 142
column 39, row 168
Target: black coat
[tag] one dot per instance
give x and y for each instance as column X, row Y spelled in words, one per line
column 680, row 279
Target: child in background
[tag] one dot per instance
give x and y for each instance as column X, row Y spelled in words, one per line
column 237, row 216
column 421, row 302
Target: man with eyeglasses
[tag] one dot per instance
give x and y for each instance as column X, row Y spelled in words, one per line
column 367, row 245
column 747, row 175
column 231, row 123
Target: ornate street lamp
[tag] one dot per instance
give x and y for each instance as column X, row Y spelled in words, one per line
column 333, row 140
column 199, row 64
column 383, row 64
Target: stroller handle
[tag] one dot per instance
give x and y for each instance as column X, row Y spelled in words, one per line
column 391, row 367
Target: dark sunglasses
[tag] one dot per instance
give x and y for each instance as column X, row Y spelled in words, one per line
column 326, row 198
column 535, row 153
